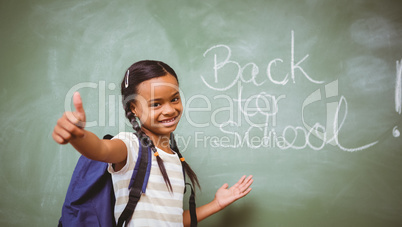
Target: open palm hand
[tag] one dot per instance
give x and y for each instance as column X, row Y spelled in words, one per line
column 225, row 196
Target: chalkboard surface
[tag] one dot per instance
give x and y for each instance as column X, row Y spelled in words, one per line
column 304, row 95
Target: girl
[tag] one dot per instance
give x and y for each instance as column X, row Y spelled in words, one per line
column 152, row 103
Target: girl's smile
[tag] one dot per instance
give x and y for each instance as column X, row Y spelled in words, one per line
column 169, row 122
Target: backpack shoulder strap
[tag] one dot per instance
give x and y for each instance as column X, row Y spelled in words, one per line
column 137, row 184
column 192, row 207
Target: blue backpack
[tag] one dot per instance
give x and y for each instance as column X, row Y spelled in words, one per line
column 90, row 196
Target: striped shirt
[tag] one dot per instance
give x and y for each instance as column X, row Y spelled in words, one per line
column 158, row 206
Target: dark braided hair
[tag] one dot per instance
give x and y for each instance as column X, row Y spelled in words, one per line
column 136, row 74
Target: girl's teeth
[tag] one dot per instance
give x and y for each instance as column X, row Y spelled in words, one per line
column 168, row 120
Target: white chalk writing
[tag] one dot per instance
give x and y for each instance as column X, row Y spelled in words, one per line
column 266, row 106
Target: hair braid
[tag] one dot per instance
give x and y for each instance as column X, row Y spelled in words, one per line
column 147, row 142
column 187, row 169
column 161, row 166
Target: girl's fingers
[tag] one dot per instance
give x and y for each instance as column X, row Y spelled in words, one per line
column 243, row 180
column 65, row 130
column 246, row 192
column 60, row 135
column 72, row 118
column 58, row 138
column 246, row 183
column 71, row 124
column 240, row 181
column 249, row 179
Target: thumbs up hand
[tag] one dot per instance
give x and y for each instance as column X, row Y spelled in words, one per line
column 71, row 124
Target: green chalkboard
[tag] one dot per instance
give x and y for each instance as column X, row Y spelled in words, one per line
column 305, row 95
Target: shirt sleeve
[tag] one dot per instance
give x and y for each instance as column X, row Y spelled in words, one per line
column 131, row 141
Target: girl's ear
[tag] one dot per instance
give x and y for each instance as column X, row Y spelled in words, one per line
column 132, row 108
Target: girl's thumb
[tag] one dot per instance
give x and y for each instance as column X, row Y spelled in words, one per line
column 78, row 105
column 225, row 186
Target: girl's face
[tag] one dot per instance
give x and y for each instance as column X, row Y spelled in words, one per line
column 158, row 105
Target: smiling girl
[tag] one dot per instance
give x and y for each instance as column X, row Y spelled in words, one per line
column 152, row 103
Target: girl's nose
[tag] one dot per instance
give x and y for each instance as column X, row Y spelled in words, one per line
column 168, row 109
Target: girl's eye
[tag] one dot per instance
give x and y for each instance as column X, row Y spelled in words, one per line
column 175, row 99
column 155, row 104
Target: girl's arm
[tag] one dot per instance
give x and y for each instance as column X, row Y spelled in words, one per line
column 70, row 129
column 223, row 198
